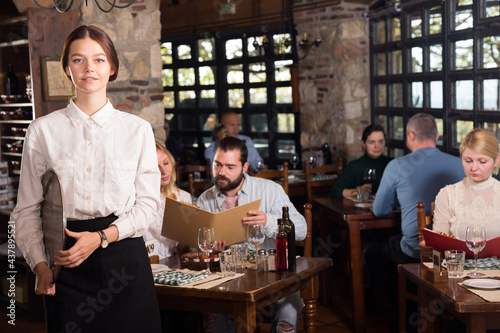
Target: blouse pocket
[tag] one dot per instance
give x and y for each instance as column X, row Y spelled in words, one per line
column 66, row 174
column 119, row 179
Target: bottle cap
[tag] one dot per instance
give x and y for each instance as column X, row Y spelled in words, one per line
column 271, row 251
column 261, row 252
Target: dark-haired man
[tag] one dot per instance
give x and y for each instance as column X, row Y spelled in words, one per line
column 234, row 187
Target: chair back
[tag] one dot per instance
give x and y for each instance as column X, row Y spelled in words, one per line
column 320, row 186
column 423, row 221
column 307, row 242
column 282, row 176
column 188, row 170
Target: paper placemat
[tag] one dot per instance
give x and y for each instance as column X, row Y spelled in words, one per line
column 488, row 295
column 212, row 281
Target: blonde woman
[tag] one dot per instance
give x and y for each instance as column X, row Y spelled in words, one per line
column 163, row 246
column 476, row 199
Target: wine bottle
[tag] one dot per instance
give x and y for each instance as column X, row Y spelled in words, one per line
column 290, row 235
column 11, row 83
column 281, row 248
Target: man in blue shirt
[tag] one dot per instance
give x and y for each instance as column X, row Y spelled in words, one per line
column 409, row 179
column 231, row 122
column 233, row 187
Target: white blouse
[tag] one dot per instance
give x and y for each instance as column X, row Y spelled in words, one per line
column 106, row 164
column 163, row 246
column 468, row 203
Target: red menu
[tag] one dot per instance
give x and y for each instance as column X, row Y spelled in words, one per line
column 441, row 243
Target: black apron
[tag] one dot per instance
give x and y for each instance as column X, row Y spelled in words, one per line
column 111, row 291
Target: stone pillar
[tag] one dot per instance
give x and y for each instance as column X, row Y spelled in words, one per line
column 334, row 79
column 136, row 32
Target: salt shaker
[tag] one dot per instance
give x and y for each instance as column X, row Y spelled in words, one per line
column 271, row 260
column 261, row 260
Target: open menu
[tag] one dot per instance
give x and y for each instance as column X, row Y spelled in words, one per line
column 182, row 221
column 441, row 242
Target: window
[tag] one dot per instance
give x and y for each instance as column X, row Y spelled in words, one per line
column 248, row 73
column 444, row 59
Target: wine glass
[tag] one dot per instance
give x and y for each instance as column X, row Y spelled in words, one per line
column 295, row 160
column 369, row 176
column 475, row 239
column 256, row 235
column 206, row 242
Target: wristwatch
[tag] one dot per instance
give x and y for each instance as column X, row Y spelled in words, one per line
column 104, row 239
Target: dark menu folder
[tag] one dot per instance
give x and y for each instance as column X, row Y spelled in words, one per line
column 182, row 221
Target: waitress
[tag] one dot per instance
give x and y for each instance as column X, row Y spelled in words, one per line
column 107, row 166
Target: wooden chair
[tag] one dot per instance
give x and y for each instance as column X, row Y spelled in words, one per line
column 192, row 184
column 307, row 242
column 282, row 176
column 403, row 293
column 321, row 187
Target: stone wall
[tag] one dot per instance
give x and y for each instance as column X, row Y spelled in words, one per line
column 334, row 79
column 136, row 32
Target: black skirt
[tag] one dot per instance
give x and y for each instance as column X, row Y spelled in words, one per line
column 111, row 291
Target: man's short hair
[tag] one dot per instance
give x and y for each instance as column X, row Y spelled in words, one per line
column 424, row 126
column 232, row 143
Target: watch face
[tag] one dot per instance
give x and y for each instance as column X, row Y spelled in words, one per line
column 104, row 244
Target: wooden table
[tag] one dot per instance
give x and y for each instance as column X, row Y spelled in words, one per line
column 245, row 296
column 477, row 314
column 345, row 214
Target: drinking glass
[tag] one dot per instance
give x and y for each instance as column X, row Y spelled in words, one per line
column 256, row 235
column 369, row 176
column 260, row 164
column 206, row 242
column 475, row 239
column 295, row 160
column 312, row 161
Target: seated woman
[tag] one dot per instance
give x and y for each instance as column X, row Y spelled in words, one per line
column 476, row 199
column 373, row 141
column 163, row 246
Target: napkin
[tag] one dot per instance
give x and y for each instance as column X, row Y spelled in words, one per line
column 483, row 263
column 178, row 277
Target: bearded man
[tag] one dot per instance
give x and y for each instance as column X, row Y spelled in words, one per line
column 233, row 187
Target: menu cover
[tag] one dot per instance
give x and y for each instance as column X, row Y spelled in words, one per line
column 441, row 243
column 182, row 221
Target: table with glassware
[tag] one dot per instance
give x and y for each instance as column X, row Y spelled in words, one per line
column 246, row 295
column 458, row 296
column 346, row 214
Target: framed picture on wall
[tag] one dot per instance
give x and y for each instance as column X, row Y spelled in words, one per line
column 56, row 85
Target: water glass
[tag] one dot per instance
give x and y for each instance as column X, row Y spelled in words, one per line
column 455, row 261
column 240, row 251
column 227, row 263
column 363, row 194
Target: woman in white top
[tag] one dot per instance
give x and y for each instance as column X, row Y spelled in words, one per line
column 105, row 160
column 163, row 246
column 476, row 199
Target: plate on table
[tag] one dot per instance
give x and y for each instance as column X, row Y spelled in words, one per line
column 158, row 268
column 363, row 204
column 483, row 283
